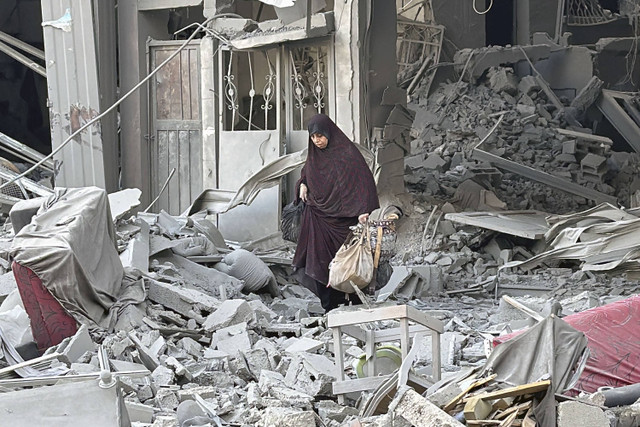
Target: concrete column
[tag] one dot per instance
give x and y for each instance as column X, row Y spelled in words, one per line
column 347, row 48
column 134, row 146
column 209, row 119
column 523, row 35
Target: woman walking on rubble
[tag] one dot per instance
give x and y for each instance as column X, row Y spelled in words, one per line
column 339, row 190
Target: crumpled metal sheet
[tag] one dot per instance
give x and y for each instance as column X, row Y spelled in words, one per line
column 603, row 238
column 220, row 201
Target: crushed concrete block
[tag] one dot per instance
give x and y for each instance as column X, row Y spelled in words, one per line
column 187, row 302
column 434, row 162
column 269, row 379
column 572, row 414
column 165, row 421
column 528, row 84
column 230, row 312
column 312, row 374
column 178, row 368
column 502, row 80
column 261, row 310
column 167, row 399
column 139, row 413
column 304, row 344
column 206, row 392
column 445, row 394
column 414, row 408
column 191, row 346
column 580, row 302
column 257, row 360
column 287, row 417
column 77, row 345
column 232, row 339
column 328, row 409
column 163, row 376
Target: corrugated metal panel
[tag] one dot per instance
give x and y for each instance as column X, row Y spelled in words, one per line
column 72, row 80
column 177, row 126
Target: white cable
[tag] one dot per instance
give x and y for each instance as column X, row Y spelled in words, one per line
column 475, row 9
column 107, row 111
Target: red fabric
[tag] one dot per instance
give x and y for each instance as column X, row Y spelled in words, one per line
column 340, row 188
column 613, row 331
column 50, row 323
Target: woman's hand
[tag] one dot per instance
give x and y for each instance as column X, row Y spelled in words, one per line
column 303, row 192
column 363, row 218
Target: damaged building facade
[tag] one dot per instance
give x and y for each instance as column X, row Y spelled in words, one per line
column 150, row 146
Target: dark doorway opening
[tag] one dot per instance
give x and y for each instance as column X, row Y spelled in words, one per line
column 499, row 22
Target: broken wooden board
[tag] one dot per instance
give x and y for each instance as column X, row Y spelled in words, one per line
column 623, row 115
column 449, row 406
column 527, row 224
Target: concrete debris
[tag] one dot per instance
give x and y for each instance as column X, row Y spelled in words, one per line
column 508, row 175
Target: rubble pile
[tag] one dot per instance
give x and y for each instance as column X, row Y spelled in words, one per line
column 451, row 122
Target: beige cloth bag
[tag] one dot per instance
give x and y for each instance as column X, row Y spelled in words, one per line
column 353, row 262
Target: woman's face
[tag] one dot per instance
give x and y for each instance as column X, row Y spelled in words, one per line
column 319, row 140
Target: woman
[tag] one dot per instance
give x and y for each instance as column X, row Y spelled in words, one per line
column 339, row 190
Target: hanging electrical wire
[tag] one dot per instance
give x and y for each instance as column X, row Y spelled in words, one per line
column 64, row 143
column 475, row 9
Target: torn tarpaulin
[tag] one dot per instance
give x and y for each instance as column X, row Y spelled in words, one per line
column 552, row 347
column 614, row 344
column 70, row 245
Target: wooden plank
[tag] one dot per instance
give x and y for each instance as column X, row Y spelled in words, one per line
column 173, row 189
column 619, row 118
column 449, row 406
column 163, row 169
column 517, row 391
column 195, row 153
column 185, row 84
column 166, row 4
column 527, row 224
column 162, row 87
column 477, row 409
column 194, row 85
column 174, row 82
column 529, row 312
column 542, row 177
column 384, row 313
column 585, row 136
column 184, row 171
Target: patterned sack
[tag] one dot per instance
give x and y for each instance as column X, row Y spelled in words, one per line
column 290, row 223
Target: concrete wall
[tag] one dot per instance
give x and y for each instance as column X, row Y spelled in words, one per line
column 351, row 19
column 542, row 16
column 463, row 27
column 382, row 69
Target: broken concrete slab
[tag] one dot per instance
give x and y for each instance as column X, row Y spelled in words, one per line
column 188, row 302
column 121, row 202
column 286, row 417
column 303, row 345
column 199, row 277
column 480, row 60
column 136, row 255
column 414, row 408
column 580, row 414
column 232, row 339
column 230, row 312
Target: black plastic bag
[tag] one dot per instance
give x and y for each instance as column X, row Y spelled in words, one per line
column 290, row 223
